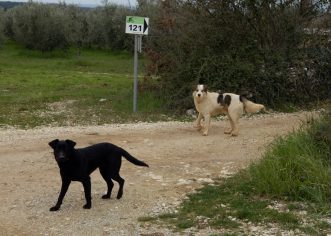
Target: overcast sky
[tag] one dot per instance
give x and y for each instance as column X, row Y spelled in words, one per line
column 94, row 2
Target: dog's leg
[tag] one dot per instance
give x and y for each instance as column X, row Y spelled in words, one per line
column 198, row 122
column 234, row 115
column 228, row 131
column 64, row 189
column 87, row 190
column 120, row 181
column 110, row 184
column 207, row 124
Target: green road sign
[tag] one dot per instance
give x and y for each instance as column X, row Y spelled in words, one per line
column 137, row 25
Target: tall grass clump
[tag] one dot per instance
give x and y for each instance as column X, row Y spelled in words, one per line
column 297, row 167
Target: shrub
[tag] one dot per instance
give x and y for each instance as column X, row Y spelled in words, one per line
column 239, row 46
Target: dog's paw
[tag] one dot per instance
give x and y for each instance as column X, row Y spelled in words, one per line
column 228, row 131
column 119, row 195
column 106, row 196
column 234, row 134
column 205, row 133
column 54, row 208
column 87, row 206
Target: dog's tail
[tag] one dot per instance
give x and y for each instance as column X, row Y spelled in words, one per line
column 251, row 107
column 132, row 159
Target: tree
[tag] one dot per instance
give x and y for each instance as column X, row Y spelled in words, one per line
column 39, row 26
column 76, row 28
column 106, row 27
column 2, row 17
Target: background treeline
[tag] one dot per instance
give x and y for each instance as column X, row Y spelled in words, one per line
column 276, row 51
column 46, row 27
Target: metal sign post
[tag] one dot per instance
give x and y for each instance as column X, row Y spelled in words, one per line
column 137, row 26
column 135, row 74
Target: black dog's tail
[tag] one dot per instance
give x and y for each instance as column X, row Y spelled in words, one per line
column 132, row 159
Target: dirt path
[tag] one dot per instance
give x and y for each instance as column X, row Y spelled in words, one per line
column 180, row 160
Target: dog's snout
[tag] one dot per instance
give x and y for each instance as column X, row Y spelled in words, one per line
column 61, row 155
column 199, row 94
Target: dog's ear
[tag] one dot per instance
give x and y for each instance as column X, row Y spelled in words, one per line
column 205, row 88
column 53, row 143
column 70, row 143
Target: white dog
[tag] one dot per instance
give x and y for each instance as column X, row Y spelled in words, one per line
column 211, row 104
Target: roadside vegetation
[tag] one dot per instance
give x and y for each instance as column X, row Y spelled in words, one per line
column 277, row 52
column 288, row 189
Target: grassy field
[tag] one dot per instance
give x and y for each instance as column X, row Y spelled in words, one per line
column 63, row 89
column 289, row 189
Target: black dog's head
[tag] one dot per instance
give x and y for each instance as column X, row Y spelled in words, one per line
column 62, row 149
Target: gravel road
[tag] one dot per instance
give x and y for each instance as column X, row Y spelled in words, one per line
column 180, row 160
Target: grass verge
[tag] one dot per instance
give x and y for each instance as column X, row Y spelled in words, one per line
column 65, row 89
column 287, row 190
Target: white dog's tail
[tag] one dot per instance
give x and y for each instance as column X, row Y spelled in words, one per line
column 251, row 107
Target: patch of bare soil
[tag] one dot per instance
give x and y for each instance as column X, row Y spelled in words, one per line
column 180, row 160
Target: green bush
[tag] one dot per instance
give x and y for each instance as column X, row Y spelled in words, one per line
column 245, row 47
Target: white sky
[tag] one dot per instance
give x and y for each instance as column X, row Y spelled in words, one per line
column 94, row 2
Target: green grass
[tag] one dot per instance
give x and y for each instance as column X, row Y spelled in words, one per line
column 63, row 88
column 295, row 172
column 297, row 167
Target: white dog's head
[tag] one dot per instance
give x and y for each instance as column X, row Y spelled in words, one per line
column 200, row 92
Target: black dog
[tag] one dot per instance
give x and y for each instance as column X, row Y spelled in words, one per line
column 78, row 164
